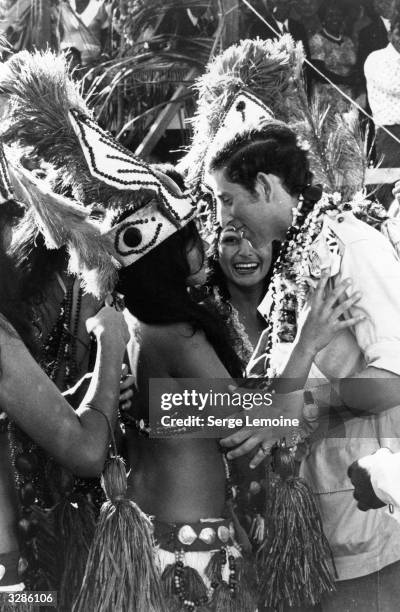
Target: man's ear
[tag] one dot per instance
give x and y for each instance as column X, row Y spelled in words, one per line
column 263, row 185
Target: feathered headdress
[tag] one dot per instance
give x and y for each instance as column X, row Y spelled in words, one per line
column 47, row 114
column 271, row 71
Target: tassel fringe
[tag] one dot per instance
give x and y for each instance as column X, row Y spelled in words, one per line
column 121, row 574
column 293, row 561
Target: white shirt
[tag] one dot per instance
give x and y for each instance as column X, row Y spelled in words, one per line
column 283, row 26
column 382, row 73
column 384, row 470
column 361, row 543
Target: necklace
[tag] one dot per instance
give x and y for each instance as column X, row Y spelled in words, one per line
column 336, row 39
column 289, row 286
column 59, row 353
column 40, row 481
column 237, row 332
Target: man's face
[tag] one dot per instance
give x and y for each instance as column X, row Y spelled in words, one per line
column 260, row 216
column 384, row 8
column 307, row 8
column 281, row 9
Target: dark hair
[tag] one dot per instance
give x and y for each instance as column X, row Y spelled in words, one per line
column 12, row 307
column 172, row 172
column 272, row 149
column 36, row 265
column 329, row 4
column 217, row 278
column 155, row 290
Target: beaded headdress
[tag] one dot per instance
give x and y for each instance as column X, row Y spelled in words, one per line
column 272, row 72
column 48, row 114
column 244, row 112
column 6, row 190
column 146, row 227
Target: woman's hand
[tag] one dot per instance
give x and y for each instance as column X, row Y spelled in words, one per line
column 110, row 324
column 325, row 317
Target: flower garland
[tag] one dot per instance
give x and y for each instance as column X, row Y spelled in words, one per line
column 240, row 340
column 290, row 279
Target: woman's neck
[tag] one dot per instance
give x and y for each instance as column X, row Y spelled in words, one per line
column 246, row 299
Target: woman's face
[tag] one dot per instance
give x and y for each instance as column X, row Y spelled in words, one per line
column 241, row 263
column 333, row 20
column 307, row 8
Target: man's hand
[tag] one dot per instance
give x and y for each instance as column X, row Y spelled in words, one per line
column 364, row 493
column 125, row 389
column 247, row 439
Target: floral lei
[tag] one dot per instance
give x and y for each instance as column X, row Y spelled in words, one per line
column 290, row 284
column 237, row 332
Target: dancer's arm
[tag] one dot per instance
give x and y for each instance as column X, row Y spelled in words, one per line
column 324, row 320
column 78, row 440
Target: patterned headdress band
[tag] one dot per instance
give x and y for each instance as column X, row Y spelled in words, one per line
column 244, row 112
column 114, row 165
column 6, row 190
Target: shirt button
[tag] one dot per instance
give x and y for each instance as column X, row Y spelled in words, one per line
column 340, row 219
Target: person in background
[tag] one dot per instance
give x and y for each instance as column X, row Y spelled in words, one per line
column 334, row 54
column 84, row 25
column 278, row 14
column 382, row 74
column 306, row 11
column 375, row 35
column 376, row 480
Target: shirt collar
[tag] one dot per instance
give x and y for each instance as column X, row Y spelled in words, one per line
column 282, row 24
column 392, row 52
column 386, row 23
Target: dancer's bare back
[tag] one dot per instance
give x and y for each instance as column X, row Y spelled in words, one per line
column 176, row 479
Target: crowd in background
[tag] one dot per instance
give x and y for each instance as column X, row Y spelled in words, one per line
column 356, row 46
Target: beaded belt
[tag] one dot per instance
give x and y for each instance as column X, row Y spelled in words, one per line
column 204, row 535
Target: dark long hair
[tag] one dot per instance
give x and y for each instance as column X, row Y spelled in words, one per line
column 36, row 266
column 155, row 290
column 12, row 307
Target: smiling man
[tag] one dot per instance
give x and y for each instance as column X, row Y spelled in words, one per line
column 262, row 182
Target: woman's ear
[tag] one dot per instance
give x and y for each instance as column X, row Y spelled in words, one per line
column 263, row 185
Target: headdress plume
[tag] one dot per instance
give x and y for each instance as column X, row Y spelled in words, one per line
column 272, row 71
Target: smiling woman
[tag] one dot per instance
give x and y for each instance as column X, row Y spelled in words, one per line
column 238, row 277
column 240, row 262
